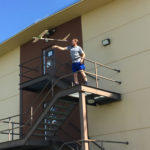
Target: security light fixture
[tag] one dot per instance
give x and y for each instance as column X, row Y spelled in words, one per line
column 51, row 32
column 46, row 39
column 91, row 101
column 106, row 42
column 94, row 100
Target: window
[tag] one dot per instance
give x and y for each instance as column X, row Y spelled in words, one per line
column 49, row 122
column 48, row 60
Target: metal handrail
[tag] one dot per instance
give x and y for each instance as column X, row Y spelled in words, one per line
column 14, row 116
column 93, row 141
column 119, row 82
column 37, row 68
column 8, row 122
column 102, row 65
column 88, row 60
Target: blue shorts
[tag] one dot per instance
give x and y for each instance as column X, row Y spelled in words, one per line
column 77, row 66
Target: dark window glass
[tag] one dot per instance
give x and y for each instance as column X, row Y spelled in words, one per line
column 48, row 60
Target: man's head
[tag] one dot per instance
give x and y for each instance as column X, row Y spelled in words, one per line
column 74, row 42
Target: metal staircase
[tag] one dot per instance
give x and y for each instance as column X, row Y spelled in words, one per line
column 44, row 120
column 47, row 124
column 55, row 113
column 54, row 119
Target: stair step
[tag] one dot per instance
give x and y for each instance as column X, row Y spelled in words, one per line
column 54, row 118
column 47, row 129
column 59, row 112
column 62, row 107
column 68, row 102
column 50, row 124
column 43, row 135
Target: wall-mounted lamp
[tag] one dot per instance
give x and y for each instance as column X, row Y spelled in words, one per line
column 95, row 100
column 91, row 101
column 106, row 42
column 51, row 32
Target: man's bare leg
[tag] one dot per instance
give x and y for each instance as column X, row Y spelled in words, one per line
column 76, row 78
column 84, row 76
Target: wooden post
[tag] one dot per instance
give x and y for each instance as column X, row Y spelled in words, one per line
column 83, row 120
column 31, row 115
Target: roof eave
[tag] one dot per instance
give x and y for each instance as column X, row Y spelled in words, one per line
column 58, row 18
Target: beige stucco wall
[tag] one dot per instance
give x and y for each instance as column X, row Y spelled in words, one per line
column 9, row 88
column 127, row 24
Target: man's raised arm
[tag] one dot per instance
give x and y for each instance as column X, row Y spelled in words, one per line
column 59, row 47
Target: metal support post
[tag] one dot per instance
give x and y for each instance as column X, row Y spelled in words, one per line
column 21, row 114
column 9, row 130
column 96, row 74
column 12, row 136
column 52, row 88
column 83, row 120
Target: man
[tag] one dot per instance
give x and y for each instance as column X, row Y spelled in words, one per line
column 77, row 56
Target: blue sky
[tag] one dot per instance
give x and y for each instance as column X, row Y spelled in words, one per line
column 16, row 15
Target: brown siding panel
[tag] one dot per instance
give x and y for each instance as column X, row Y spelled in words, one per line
column 31, row 50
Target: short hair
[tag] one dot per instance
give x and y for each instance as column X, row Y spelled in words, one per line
column 76, row 40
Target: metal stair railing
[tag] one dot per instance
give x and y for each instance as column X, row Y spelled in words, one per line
column 51, row 103
column 51, row 90
column 28, row 111
column 11, row 123
column 97, row 143
column 38, row 68
column 41, row 65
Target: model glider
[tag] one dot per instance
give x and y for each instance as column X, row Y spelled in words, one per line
column 40, row 36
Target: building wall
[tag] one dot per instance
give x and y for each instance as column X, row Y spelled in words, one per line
column 126, row 23
column 9, row 88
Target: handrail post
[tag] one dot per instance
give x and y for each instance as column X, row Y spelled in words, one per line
column 31, row 117
column 102, row 145
column 95, row 64
column 12, row 136
column 52, row 88
column 77, row 146
column 99, row 146
column 9, row 129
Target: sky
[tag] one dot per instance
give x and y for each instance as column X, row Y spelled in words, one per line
column 16, row 15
